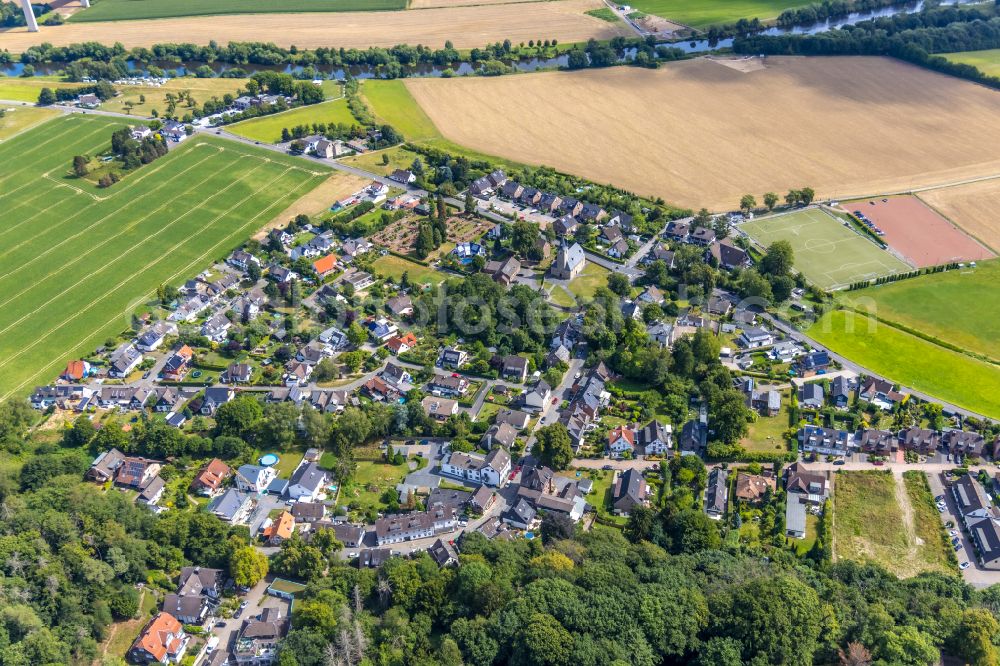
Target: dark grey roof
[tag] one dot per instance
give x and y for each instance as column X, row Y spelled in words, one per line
column 715, row 493
column 308, row 475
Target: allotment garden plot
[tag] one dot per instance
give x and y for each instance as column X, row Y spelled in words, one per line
column 76, row 261
column 829, row 253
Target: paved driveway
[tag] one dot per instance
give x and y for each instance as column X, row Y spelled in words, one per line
column 265, row 504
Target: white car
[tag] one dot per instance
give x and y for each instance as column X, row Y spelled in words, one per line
column 953, row 533
column 963, row 566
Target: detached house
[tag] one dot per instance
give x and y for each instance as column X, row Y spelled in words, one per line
column 491, row 469
column 162, row 641
column 124, row 360
column 307, row 482
column 621, row 440
column 211, row 477
column 215, row 397
column 655, row 438
column 514, row 368
column 629, row 491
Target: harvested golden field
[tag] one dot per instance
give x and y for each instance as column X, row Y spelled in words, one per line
column 433, row 4
column 973, row 207
column 466, row 27
column 318, row 200
column 699, row 133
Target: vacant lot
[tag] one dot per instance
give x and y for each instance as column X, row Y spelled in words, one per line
column 699, row 133
column 960, row 307
column 828, row 253
column 917, row 232
column 393, row 104
column 267, row 129
column 874, row 520
column 393, row 267
column 973, row 207
column 987, row 61
column 911, row 361
column 117, row 10
column 466, row 27
column 704, row 13
column 767, row 433
column 76, row 261
column 19, row 118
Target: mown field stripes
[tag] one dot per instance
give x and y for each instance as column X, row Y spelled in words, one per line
column 77, row 261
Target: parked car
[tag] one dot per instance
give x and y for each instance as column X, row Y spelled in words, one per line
column 939, row 498
column 964, row 565
column 839, row 462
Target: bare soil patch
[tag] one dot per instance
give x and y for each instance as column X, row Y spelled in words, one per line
column 466, row 27
column 973, row 207
column 922, row 236
column 699, row 134
column 662, row 26
column 745, row 65
column 339, row 185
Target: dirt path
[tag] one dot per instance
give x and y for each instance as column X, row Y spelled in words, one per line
column 907, row 510
column 118, row 625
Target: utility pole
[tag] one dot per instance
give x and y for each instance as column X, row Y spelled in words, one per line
column 29, row 16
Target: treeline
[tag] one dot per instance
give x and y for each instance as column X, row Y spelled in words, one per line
column 102, row 89
column 903, row 276
column 829, row 9
column 911, row 37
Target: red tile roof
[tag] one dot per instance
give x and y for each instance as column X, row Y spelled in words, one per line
column 325, row 264
column 156, row 637
column 75, row 370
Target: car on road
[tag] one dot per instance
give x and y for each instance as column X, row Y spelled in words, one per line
column 964, row 565
column 220, row 623
column 878, row 463
column 555, row 401
column 608, row 467
column 839, row 462
column 145, row 375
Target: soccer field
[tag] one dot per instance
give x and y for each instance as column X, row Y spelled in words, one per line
column 828, row 253
column 76, row 261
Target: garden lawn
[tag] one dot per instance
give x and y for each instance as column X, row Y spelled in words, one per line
column 593, row 276
column 20, row 118
column 560, row 296
column 287, row 462
column 766, row 434
column 911, row 361
column 391, row 266
column 702, row 13
column 267, row 129
column 988, row 61
column 959, row 307
column 368, row 483
column 119, row 10
column 77, row 261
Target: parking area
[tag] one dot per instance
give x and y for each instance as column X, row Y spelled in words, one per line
column 973, row 575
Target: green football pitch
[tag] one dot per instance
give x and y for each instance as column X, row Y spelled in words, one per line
column 829, row 253
column 76, row 261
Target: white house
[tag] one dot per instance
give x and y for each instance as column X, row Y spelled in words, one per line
column 254, row 478
column 307, row 482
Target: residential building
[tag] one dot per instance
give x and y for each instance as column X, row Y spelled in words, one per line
column 504, row 272
column 352, row 536
column 813, row 362
column 439, row 408
column 971, row 502
column 621, row 441
column 702, row 236
column 840, row 392
column 921, row 440
column 257, row 644
column 514, row 368
column 878, row 442
column 162, row 640
column 177, row 364
column 521, row 515
column 124, row 360
column 811, row 395
column 717, row 493
column 443, row 553
column 448, row 385
column 804, row 488
column 325, row 265
column 215, row 397
column 397, row 528
column 232, row 506
column 403, row 176
column 513, row 417
column 754, row 337
column 825, row 441
column 693, row 438
column 308, row 512
column 105, row 466
column 629, row 491
column 307, row 482
column 136, row 473
column 237, row 373
column 655, row 439
column 537, row 397
column 453, row 358
column 880, row 393
column 211, row 477
column 963, row 443
column 399, row 344
column 491, row 469
column 254, row 478
column 753, row 488
column 400, row 306
column 280, row 529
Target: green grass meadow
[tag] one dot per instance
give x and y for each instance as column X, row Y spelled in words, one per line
column 988, row 61
column 267, row 129
column 828, row 253
column 393, row 267
column 704, row 13
column 121, row 10
column 76, row 261
column 912, row 361
column 393, row 104
column 960, row 307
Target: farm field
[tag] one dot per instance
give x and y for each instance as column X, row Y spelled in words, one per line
column 988, row 61
column 392, row 103
column 911, row 361
column 918, row 232
column 62, row 287
column 829, row 254
column 118, row 10
column 973, row 207
column 703, row 13
column 663, row 141
column 874, row 520
column 339, row 185
column 267, row 129
column 960, row 306
column 467, row 28
column 393, row 267
column 19, row 118
column 27, row 89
